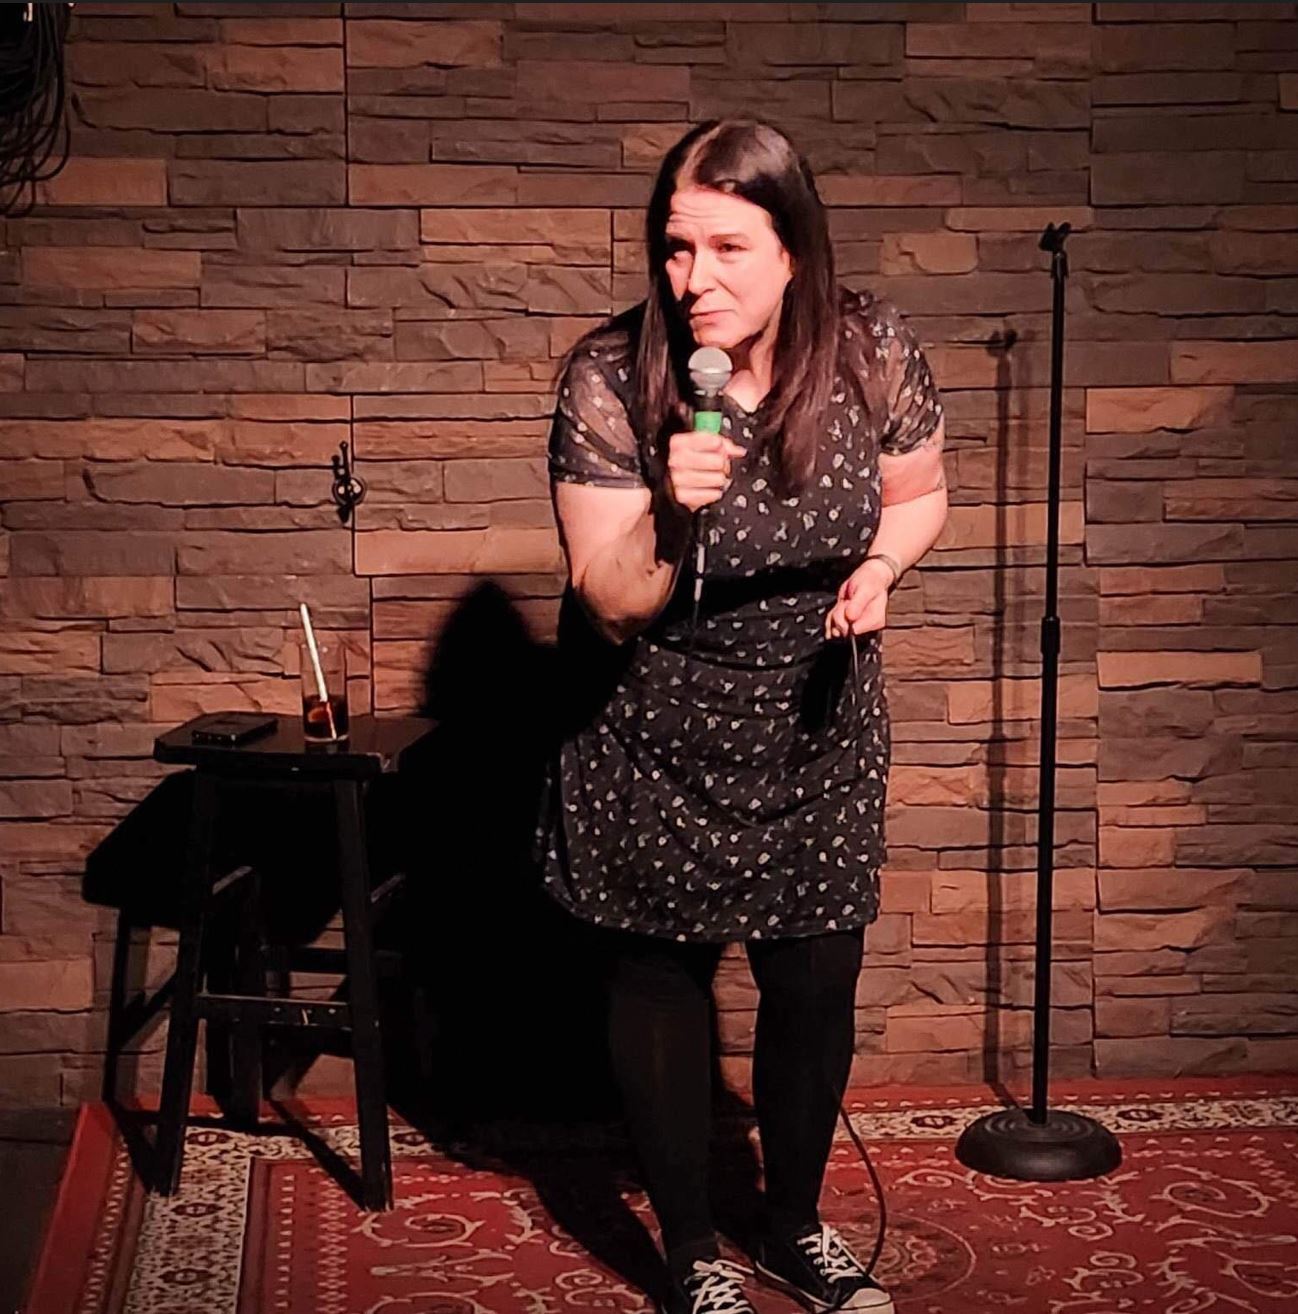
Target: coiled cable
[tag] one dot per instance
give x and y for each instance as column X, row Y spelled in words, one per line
column 34, row 135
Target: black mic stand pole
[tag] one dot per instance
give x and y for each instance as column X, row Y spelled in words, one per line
column 1042, row 1144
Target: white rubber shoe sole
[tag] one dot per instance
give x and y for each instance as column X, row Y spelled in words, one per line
column 872, row 1299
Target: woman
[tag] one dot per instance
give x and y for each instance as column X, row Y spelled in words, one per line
column 724, row 772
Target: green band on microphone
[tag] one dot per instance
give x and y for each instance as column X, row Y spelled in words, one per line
column 707, row 421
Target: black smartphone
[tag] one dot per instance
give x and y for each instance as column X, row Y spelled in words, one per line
column 229, row 729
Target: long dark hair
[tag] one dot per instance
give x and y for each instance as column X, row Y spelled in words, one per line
column 751, row 159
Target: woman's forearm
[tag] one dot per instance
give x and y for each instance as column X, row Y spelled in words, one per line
column 908, row 529
column 627, row 583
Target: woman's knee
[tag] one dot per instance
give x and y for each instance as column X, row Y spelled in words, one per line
column 813, row 973
column 662, row 971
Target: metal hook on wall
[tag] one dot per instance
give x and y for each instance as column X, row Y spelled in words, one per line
column 348, row 489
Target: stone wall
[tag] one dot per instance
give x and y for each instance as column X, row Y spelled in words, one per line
column 287, row 226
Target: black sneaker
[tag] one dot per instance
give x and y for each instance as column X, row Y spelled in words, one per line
column 712, row 1286
column 821, row 1273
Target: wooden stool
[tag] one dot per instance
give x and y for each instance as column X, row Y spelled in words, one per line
column 341, row 771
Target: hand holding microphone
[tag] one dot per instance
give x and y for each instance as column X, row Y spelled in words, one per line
column 698, row 461
column 698, row 467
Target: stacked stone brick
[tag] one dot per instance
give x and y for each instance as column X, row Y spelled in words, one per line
column 286, row 226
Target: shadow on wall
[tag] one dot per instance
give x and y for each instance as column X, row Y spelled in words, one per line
column 1001, row 347
column 509, row 1016
column 1016, row 605
column 517, row 985
column 514, row 983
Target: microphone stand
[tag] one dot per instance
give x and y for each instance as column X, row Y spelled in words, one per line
column 1043, row 1144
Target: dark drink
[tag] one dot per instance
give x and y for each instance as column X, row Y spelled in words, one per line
column 321, row 722
column 324, row 723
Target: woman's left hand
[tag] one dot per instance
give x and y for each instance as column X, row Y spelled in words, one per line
column 862, row 604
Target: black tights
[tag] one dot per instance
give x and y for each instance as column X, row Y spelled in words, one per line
column 660, row 1035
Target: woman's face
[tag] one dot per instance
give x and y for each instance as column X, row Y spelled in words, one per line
column 728, row 269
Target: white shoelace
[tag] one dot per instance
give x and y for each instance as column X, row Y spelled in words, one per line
column 721, row 1290
column 832, row 1257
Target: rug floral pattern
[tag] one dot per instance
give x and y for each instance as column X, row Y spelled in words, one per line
column 1201, row 1218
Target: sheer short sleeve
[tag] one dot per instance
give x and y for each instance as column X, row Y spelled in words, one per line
column 591, row 439
column 902, row 380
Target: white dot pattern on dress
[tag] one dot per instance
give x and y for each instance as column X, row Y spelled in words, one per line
column 732, row 783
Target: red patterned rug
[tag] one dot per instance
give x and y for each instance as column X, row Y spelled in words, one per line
column 1201, row 1218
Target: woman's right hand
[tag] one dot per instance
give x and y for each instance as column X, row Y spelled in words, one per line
column 698, row 467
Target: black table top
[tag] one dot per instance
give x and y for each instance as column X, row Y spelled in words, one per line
column 376, row 746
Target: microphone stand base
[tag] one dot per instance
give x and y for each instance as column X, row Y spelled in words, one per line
column 1066, row 1147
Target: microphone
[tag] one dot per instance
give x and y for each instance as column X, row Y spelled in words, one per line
column 710, row 371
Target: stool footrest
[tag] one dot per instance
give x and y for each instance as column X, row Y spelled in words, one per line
column 381, row 895
column 232, row 877
column 271, row 1011
column 324, row 960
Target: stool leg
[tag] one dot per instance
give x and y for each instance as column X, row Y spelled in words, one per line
column 182, row 1026
column 367, row 1040
column 117, row 1005
column 250, row 973
column 217, row 971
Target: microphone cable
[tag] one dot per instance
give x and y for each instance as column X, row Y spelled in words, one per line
column 700, row 568
column 881, row 1229
column 700, row 536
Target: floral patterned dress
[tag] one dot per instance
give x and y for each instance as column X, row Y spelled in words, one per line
column 723, row 777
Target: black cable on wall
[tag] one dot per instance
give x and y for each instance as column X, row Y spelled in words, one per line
column 33, row 90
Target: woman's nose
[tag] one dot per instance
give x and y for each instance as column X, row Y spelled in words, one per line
column 701, row 272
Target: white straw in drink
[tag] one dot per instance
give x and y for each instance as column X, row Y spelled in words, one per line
column 319, row 671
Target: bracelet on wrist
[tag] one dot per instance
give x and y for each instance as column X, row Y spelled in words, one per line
column 891, row 562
